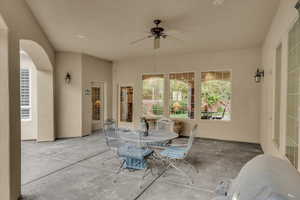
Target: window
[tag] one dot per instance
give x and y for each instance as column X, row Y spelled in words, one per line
column 293, row 96
column 25, row 96
column 276, row 136
column 153, row 95
column 126, row 101
column 182, row 93
column 96, row 103
column 216, row 95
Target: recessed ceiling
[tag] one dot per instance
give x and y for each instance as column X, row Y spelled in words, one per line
column 104, row 28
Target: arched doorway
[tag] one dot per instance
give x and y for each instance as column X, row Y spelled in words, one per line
column 37, row 108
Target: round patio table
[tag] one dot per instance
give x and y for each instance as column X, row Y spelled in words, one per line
column 155, row 136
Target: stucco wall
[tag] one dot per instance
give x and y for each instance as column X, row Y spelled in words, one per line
column 68, row 96
column 278, row 34
column 73, row 107
column 21, row 25
column 244, row 125
column 97, row 71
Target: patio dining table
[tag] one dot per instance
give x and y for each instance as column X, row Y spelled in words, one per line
column 135, row 157
column 154, row 136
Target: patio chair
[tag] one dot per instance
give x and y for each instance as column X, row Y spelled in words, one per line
column 113, row 141
column 136, row 156
column 165, row 124
column 177, row 153
column 111, row 135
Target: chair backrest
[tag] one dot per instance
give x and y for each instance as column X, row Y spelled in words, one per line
column 111, row 134
column 191, row 138
column 165, row 124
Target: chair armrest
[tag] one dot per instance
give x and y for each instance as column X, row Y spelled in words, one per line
column 178, row 145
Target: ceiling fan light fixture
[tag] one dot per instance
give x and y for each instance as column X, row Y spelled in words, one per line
column 156, row 43
column 218, row 2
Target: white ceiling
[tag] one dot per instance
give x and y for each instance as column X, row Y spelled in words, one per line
column 104, row 28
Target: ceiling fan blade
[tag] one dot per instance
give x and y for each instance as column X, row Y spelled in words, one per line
column 141, row 39
column 175, row 38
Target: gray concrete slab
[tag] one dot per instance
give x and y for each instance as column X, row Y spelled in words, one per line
column 84, row 168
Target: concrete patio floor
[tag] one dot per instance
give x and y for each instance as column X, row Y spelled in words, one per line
column 83, row 169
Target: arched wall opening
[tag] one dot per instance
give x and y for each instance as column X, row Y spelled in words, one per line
column 38, row 118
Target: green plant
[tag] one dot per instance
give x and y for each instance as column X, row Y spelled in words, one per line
column 157, row 109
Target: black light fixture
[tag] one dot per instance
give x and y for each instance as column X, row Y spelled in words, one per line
column 68, row 78
column 298, row 5
column 259, row 74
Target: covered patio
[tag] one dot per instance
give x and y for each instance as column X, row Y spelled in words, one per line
column 84, row 168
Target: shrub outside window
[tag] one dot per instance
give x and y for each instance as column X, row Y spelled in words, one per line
column 216, row 95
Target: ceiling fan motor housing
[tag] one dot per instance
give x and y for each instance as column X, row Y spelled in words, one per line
column 157, row 31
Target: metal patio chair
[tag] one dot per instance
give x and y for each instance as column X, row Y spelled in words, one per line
column 165, row 124
column 174, row 154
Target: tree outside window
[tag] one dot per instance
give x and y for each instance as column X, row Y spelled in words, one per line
column 182, row 102
column 216, row 95
column 153, row 95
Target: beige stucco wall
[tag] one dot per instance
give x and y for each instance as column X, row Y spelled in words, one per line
column 97, row 71
column 29, row 127
column 68, row 118
column 73, row 107
column 21, row 25
column 278, row 34
column 244, row 125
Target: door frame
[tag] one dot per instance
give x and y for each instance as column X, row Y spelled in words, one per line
column 120, row 123
column 103, row 95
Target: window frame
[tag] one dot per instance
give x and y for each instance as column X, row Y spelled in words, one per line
column 119, row 103
column 231, row 100
column 169, row 95
column 164, row 94
column 285, row 126
column 30, row 96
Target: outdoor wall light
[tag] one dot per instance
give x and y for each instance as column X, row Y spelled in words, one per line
column 259, row 74
column 297, row 6
column 68, row 78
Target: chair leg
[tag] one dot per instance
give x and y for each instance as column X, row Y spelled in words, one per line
column 172, row 164
column 118, row 171
column 192, row 166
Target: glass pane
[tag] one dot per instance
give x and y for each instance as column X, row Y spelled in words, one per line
column 126, row 104
column 293, row 97
column 182, row 90
column 216, row 95
column 153, row 95
column 96, row 103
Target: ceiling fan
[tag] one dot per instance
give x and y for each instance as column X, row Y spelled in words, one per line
column 157, row 33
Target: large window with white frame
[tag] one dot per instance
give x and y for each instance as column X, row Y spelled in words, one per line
column 293, row 96
column 182, row 95
column 153, row 95
column 216, row 95
column 25, row 93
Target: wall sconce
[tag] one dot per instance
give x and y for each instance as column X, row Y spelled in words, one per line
column 68, row 78
column 259, row 74
column 297, row 6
